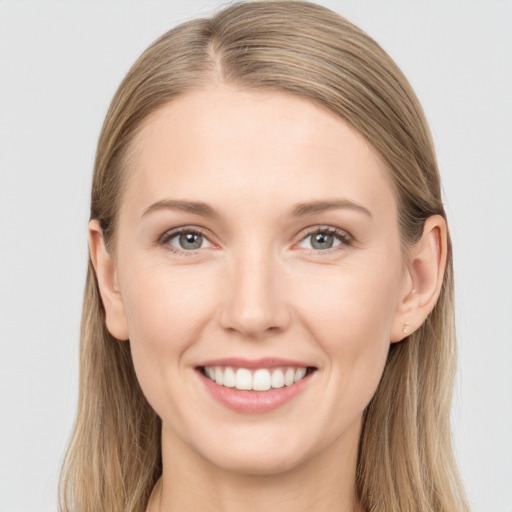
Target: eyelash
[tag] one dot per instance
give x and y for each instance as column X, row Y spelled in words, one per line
column 344, row 238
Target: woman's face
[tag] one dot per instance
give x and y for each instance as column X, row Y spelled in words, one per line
column 258, row 237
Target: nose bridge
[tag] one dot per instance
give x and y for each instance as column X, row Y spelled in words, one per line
column 255, row 303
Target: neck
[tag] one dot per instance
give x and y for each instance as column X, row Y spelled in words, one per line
column 326, row 482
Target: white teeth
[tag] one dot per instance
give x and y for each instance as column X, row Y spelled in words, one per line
column 299, row 374
column 218, row 375
column 243, row 379
column 277, row 378
column 288, row 377
column 261, row 379
column 229, row 379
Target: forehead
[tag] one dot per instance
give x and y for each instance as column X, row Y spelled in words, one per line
column 249, row 147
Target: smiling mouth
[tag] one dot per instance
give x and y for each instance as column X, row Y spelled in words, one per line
column 255, row 379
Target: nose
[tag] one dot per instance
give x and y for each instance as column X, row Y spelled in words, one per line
column 255, row 305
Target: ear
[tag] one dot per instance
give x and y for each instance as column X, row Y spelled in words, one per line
column 424, row 279
column 106, row 275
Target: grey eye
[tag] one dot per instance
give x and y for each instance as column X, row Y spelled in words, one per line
column 322, row 241
column 185, row 241
column 190, row 240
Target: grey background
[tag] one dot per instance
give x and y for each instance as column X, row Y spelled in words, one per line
column 60, row 63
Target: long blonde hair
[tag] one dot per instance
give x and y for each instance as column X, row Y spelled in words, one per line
column 405, row 456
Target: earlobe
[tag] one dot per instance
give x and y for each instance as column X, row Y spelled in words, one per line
column 425, row 273
column 106, row 275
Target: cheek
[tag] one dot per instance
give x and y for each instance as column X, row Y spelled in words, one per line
column 165, row 312
column 350, row 314
column 351, row 301
column 163, row 306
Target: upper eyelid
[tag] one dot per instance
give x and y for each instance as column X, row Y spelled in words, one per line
column 324, row 228
column 171, row 233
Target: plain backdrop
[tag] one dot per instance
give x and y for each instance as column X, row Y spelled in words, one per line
column 60, row 63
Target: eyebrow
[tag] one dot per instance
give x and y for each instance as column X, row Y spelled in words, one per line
column 321, row 206
column 195, row 207
column 298, row 210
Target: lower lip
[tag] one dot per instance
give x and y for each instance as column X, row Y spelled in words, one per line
column 254, row 402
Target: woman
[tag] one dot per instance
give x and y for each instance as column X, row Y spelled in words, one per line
column 268, row 315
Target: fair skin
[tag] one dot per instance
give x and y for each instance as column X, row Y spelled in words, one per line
column 260, row 283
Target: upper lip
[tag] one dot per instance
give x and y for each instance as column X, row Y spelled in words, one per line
column 263, row 362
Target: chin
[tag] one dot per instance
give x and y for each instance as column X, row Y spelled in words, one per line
column 265, row 455
column 258, row 464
